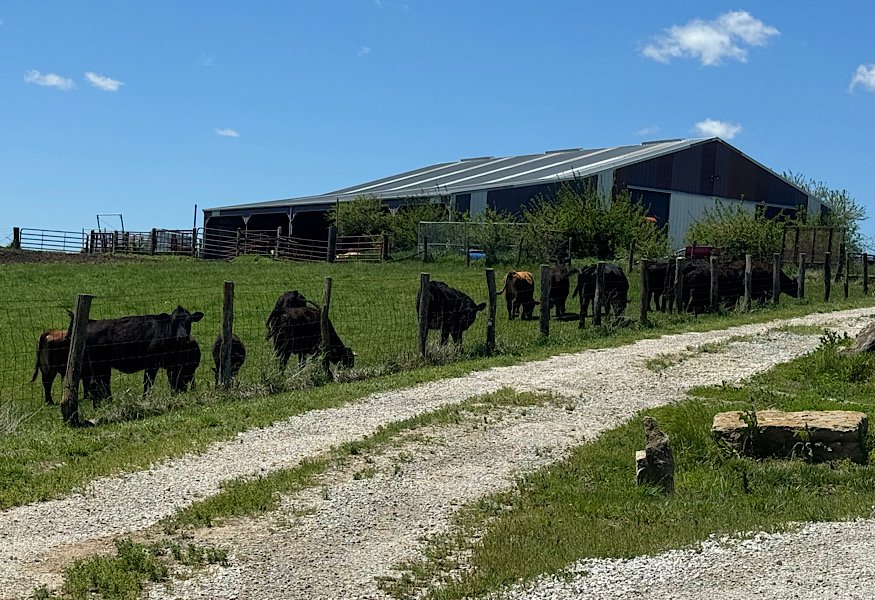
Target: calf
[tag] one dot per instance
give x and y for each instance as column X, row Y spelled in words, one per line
column 238, row 356
column 299, row 331
column 449, row 310
column 136, row 343
column 51, row 359
column 616, row 290
column 559, row 287
column 519, row 290
column 181, row 364
column 292, row 299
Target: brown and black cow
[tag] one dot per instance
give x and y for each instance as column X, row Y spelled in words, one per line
column 51, row 359
column 519, row 292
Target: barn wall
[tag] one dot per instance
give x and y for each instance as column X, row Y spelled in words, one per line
column 686, row 209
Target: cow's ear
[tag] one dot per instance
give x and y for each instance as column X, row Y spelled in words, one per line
column 481, row 306
column 196, row 316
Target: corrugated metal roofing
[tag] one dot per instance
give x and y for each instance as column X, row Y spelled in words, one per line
column 490, row 173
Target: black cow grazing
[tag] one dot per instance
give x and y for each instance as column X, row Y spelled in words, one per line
column 616, row 290
column 657, row 285
column 292, row 299
column 298, row 331
column 181, row 365
column 449, row 310
column 559, row 287
column 696, row 291
column 519, row 291
column 238, row 356
column 136, row 343
column 51, row 359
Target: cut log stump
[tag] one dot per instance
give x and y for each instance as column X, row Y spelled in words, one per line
column 817, row 436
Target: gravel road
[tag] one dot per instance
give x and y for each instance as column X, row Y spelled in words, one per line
column 333, row 544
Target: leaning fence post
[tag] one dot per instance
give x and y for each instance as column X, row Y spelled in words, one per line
column 714, row 288
column 16, row 238
column 599, row 296
column 645, row 291
column 490, row 316
column 776, row 278
column 865, row 274
column 827, row 275
column 423, row 311
column 153, row 242
column 545, row 300
column 679, row 283
column 847, row 263
column 79, row 332
column 748, row 281
column 800, row 277
column 325, row 323
column 227, row 332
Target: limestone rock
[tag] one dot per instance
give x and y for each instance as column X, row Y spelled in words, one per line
column 865, row 340
column 817, row 436
column 655, row 464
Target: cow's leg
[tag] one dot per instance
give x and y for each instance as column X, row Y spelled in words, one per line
column 510, row 308
column 445, row 334
column 149, row 375
column 48, row 379
column 457, row 337
column 583, row 310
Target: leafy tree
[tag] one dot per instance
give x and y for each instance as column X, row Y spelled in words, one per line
column 363, row 215
column 403, row 224
column 845, row 210
column 737, row 230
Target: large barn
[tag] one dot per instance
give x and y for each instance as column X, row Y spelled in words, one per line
column 676, row 180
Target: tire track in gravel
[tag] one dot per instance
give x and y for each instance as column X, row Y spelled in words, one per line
column 607, row 385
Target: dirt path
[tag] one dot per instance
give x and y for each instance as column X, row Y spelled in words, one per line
column 333, row 544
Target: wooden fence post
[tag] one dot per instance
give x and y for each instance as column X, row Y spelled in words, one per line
column 827, row 275
column 545, row 300
column 70, row 399
column 679, row 283
column 332, row 244
column 865, row 274
column 776, row 278
column 276, row 248
column 16, row 238
column 423, row 312
column 800, row 277
column 841, row 262
column 227, row 332
column 748, row 282
column 847, row 263
column 645, row 292
column 153, row 242
column 194, row 242
column 599, row 297
column 714, row 288
column 490, row 315
column 325, row 324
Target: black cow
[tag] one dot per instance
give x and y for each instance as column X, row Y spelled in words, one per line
column 298, row 331
column 559, row 287
column 519, row 290
column 51, row 359
column 449, row 310
column 238, row 355
column 657, row 289
column 616, row 290
column 136, row 343
column 696, row 291
column 181, row 365
column 292, row 299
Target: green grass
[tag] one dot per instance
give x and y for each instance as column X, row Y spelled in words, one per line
column 589, row 506
column 372, row 309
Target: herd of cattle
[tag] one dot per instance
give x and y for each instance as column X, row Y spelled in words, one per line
column 149, row 343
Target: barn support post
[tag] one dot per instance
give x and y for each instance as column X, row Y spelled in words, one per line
column 490, row 315
column 332, row 244
column 423, row 312
column 16, row 238
column 545, row 301
column 325, row 324
column 847, row 275
column 865, row 274
column 800, row 277
column 679, row 283
column 153, row 241
column 70, row 399
column 227, row 332
column 384, row 251
column 599, row 297
column 748, row 282
column 776, row 278
column 645, row 292
column 714, row 288
column 827, row 275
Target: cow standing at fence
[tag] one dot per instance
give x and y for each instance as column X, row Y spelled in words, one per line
column 181, row 365
column 616, row 290
column 559, row 287
column 136, row 343
column 449, row 310
column 238, row 356
column 519, row 292
column 52, row 349
column 299, row 331
column 291, row 299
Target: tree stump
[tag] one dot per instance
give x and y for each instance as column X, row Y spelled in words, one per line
column 655, row 464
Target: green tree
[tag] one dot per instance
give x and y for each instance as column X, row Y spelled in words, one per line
column 844, row 210
column 363, row 215
column 737, row 230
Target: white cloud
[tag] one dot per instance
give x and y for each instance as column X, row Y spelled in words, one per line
column 49, row 80
column 650, row 130
column 711, row 41
column 226, row 132
column 107, row 84
column 721, row 129
column 363, row 51
column 207, row 60
column 865, row 77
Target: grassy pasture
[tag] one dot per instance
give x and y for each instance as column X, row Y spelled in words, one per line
column 373, row 309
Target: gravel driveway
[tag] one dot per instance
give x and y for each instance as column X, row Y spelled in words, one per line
column 333, row 544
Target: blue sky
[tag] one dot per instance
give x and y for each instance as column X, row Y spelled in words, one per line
column 149, row 108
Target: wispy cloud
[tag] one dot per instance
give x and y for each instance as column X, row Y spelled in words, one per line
column 107, row 84
column 49, row 80
column 363, row 51
column 650, row 130
column 226, row 132
column 721, row 129
column 864, row 76
column 207, row 60
column 711, row 41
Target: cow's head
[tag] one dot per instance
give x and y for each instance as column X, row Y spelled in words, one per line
column 180, row 322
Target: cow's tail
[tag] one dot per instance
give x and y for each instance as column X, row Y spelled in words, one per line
column 507, row 280
column 39, row 350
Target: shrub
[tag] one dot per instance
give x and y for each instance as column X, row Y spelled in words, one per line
column 363, row 215
column 738, row 231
